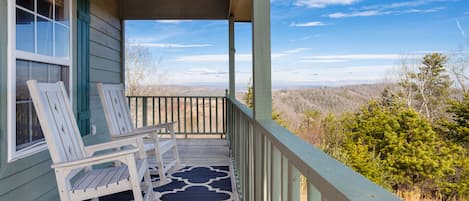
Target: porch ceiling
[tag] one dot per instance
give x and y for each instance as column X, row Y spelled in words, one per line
column 241, row 10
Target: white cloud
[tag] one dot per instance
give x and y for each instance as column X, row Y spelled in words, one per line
column 461, row 30
column 355, row 57
column 213, row 58
column 357, row 14
column 369, row 13
column 466, row 13
column 297, row 50
column 430, row 10
column 170, row 45
column 323, row 60
column 205, row 71
column 307, row 24
column 414, row 3
column 238, row 57
column 323, row 3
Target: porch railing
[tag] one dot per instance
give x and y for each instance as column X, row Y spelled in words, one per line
column 193, row 115
column 269, row 161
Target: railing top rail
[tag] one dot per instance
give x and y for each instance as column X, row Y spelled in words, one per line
column 332, row 178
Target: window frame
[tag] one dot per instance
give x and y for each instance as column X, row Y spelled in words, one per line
column 13, row 55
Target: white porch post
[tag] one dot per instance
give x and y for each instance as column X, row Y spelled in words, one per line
column 262, row 81
column 232, row 50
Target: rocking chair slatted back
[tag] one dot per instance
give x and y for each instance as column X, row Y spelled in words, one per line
column 57, row 121
column 116, row 109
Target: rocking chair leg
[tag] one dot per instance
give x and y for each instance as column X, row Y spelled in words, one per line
column 136, row 189
column 175, row 149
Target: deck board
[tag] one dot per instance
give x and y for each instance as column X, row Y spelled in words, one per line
column 203, row 152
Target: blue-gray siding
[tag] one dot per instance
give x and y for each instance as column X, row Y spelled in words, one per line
column 31, row 178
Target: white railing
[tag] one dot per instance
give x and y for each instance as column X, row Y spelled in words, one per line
column 269, row 161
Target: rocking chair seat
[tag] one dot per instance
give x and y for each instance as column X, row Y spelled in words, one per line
column 165, row 146
column 99, row 180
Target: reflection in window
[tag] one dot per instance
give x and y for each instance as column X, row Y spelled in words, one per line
column 45, row 8
column 61, row 11
column 24, row 31
column 44, row 36
column 61, row 41
column 28, row 4
column 28, row 129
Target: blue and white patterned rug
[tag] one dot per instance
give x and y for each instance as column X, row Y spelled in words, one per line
column 191, row 183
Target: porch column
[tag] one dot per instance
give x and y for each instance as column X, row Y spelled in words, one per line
column 262, row 81
column 232, row 50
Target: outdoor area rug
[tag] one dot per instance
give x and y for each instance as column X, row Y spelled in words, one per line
column 191, row 183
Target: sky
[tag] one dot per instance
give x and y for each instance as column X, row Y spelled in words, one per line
column 314, row 42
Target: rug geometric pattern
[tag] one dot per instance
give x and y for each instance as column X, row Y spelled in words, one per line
column 191, row 183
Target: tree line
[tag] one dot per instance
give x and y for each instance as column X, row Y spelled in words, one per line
column 414, row 137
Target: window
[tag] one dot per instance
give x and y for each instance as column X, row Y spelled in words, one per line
column 39, row 48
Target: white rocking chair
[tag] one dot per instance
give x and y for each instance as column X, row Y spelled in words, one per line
column 120, row 125
column 72, row 161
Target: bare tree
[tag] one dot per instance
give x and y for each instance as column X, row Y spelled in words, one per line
column 427, row 87
column 459, row 67
column 408, row 67
column 139, row 65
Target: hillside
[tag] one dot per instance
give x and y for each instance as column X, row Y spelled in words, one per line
column 291, row 103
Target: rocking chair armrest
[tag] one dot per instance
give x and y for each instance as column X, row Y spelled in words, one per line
column 144, row 131
column 134, row 141
column 95, row 160
column 155, row 128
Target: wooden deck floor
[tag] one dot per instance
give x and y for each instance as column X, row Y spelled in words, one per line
column 203, row 152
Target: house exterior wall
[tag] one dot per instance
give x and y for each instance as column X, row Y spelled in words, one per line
column 105, row 56
column 31, row 178
column 23, row 179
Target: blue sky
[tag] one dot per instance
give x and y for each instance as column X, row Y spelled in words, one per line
column 314, row 42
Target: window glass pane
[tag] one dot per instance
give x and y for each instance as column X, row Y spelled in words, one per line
column 44, row 36
column 61, row 41
column 54, row 73
column 39, row 72
column 22, row 75
column 36, row 130
column 61, row 11
column 44, row 7
column 29, row 4
column 22, row 124
column 65, row 72
column 24, row 31
column 28, row 128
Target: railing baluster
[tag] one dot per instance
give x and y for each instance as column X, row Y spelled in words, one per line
column 284, row 178
column 203, row 113
column 159, row 110
column 276, row 174
column 210, row 113
column 144, row 112
column 258, row 166
column 313, row 193
column 216, row 114
column 192, row 121
column 185, row 118
column 172, row 109
column 179, row 119
column 293, row 183
column 136, row 112
column 166, row 111
column 223, row 114
column 153, row 110
column 197, row 113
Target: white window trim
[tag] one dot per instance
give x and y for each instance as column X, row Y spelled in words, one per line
column 14, row 54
